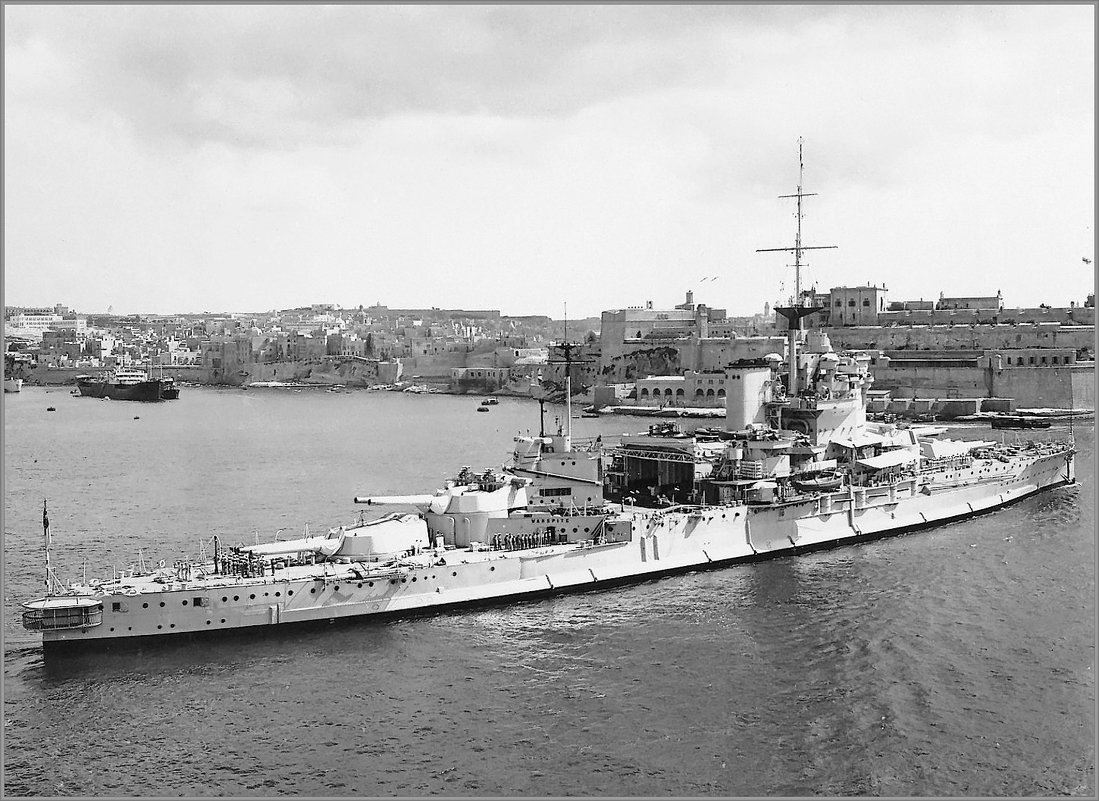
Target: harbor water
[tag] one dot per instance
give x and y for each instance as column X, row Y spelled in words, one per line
column 958, row 661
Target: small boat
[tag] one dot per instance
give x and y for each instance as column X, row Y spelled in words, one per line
column 490, row 401
column 826, row 482
column 13, row 384
column 1019, row 421
column 482, row 408
column 50, row 409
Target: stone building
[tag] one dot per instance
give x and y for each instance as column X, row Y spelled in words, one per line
column 690, row 389
column 993, row 302
column 854, row 305
column 623, row 330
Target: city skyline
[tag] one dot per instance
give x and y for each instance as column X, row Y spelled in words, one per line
column 181, row 159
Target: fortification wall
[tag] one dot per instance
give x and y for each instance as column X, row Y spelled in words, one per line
column 674, row 357
column 60, row 376
column 977, row 338
column 1057, row 386
column 433, row 367
column 329, row 370
column 920, row 381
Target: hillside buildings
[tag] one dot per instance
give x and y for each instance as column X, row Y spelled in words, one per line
column 953, row 347
column 950, row 347
column 320, row 342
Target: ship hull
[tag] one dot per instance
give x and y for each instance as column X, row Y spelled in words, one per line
column 142, row 391
column 659, row 543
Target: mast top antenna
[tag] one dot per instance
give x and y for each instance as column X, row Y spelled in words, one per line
column 798, row 248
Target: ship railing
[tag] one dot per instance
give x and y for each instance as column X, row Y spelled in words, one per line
column 744, row 469
column 692, row 509
column 525, row 540
column 866, row 480
column 587, row 444
column 63, row 617
column 948, row 463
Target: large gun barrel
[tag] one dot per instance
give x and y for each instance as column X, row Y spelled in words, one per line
column 390, row 500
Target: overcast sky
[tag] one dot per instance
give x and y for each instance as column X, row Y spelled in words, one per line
column 187, row 158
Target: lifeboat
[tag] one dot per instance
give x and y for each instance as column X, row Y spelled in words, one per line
column 820, row 483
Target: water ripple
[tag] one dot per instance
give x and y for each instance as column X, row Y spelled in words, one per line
column 957, row 661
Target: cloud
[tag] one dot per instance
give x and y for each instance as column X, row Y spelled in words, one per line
column 283, row 74
column 487, row 155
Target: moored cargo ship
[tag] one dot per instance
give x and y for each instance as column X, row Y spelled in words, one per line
column 127, row 384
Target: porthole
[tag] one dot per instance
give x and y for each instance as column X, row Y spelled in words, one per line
column 492, row 567
column 252, row 597
column 129, row 628
column 404, row 581
column 236, row 597
column 454, row 573
column 393, row 581
column 171, row 625
column 162, row 603
column 266, row 594
column 289, row 592
column 223, row 620
column 336, row 588
column 371, row 584
column 208, row 622
column 144, row 606
column 278, row 594
column 313, row 590
column 185, row 602
column 159, row 626
column 224, row 599
column 112, row 628
column 360, row 585
column 413, row 578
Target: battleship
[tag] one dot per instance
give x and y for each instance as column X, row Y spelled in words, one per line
column 797, row 467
